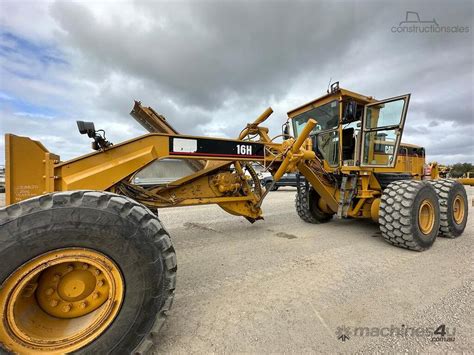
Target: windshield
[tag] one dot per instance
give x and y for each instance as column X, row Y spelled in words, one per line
column 327, row 116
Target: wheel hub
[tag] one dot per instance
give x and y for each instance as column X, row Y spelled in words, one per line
column 426, row 217
column 59, row 301
column 71, row 290
column 458, row 209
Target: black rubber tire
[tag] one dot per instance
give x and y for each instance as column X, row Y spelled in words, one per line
column 447, row 191
column 398, row 214
column 268, row 184
column 124, row 230
column 306, row 203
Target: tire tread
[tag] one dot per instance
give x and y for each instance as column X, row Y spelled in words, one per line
column 303, row 208
column 396, row 211
column 127, row 208
column 443, row 187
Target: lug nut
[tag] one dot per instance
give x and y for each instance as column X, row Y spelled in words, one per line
column 100, row 283
column 56, row 277
column 95, row 295
column 83, row 305
column 70, row 268
column 85, row 266
column 66, row 308
column 53, row 303
column 49, row 291
column 97, row 272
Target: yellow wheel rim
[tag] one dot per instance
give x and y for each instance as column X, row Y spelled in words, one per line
column 426, row 217
column 60, row 301
column 458, row 209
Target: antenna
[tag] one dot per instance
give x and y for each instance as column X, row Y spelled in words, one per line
column 329, row 84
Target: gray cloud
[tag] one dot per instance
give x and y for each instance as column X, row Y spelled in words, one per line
column 203, row 52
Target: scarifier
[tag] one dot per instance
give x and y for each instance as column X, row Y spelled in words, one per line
column 87, row 265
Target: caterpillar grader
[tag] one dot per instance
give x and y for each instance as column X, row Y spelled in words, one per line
column 88, row 267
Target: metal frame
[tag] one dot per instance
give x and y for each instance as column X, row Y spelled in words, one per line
column 32, row 170
column 111, row 169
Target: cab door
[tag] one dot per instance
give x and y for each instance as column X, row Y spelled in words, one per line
column 382, row 128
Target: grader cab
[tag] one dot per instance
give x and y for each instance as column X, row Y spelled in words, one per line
column 86, row 263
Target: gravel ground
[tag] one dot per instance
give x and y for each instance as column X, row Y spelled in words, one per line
column 282, row 285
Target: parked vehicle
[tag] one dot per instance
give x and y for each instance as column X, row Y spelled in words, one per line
column 286, row 180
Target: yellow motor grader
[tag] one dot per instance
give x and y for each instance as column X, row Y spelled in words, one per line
column 87, row 265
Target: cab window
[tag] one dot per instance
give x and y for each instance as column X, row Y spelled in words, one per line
column 382, row 129
column 326, row 115
column 384, row 115
column 328, row 146
column 379, row 147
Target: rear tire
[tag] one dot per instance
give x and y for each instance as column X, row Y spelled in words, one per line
column 453, row 205
column 409, row 215
column 123, row 230
column 306, row 203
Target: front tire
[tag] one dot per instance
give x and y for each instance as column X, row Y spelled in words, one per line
column 307, row 208
column 453, row 204
column 59, row 241
column 268, row 186
column 409, row 215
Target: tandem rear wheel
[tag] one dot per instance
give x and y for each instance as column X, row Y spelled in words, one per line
column 453, row 205
column 413, row 213
column 83, row 271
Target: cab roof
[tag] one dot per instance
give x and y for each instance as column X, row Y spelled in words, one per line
column 330, row 96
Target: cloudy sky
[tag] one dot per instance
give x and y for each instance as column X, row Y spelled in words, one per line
column 211, row 66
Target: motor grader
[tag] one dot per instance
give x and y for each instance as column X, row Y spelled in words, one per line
column 87, row 265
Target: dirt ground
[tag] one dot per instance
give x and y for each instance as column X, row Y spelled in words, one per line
column 282, row 285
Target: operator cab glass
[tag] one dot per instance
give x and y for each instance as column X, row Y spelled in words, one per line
column 353, row 129
column 327, row 144
column 324, row 135
column 382, row 127
column 327, row 116
column 384, row 114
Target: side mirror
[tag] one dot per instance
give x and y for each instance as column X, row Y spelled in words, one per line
column 285, row 130
column 86, row 128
